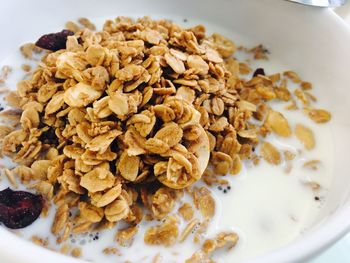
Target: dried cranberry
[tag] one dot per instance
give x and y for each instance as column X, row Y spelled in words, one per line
column 19, row 209
column 54, row 41
column 259, row 71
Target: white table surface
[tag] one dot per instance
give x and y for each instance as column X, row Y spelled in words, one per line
column 338, row 253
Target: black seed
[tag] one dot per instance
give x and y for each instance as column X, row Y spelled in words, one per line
column 317, row 198
column 225, row 191
column 220, row 188
column 229, row 187
column 185, row 20
column 1, row 108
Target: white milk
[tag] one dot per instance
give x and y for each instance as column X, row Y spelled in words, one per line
column 266, row 206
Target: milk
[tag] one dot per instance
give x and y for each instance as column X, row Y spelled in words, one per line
column 266, row 205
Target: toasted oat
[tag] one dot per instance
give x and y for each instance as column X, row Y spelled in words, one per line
column 278, row 123
column 189, row 227
column 87, row 23
column 10, row 177
column 301, row 95
column 270, row 153
column 259, row 52
column 203, row 201
column 117, row 210
column 65, row 248
column 227, row 238
column 61, row 219
column 288, row 155
column 312, row 164
column 319, row 115
column 44, row 242
column 26, row 67
column 293, row 76
column 126, row 236
column 165, row 234
column 90, row 213
column 315, row 186
column 44, row 188
column 111, row 251
column 222, row 162
column 292, row 106
column 186, row 211
column 244, row 68
column 28, row 49
column 72, row 26
column 310, row 96
column 305, row 136
column 76, row 252
column 98, row 179
column 221, row 240
column 4, row 73
column 163, row 202
column 305, row 85
column 210, row 245
column 212, row 179
column 199, row 257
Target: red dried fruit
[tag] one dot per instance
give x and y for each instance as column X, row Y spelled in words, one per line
column 54, row 41
column 19, row 209
column 259, row 71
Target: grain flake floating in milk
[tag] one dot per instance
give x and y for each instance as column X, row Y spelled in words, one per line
column 271, row 200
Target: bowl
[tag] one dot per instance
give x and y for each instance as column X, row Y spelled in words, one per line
column 312, row 41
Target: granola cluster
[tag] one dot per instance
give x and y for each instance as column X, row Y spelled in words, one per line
column 120, row 121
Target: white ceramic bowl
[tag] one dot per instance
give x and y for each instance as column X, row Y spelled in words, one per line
column 312, row 41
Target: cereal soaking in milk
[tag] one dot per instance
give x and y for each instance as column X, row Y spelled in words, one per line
column 151, row 143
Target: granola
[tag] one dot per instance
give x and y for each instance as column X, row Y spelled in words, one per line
column 116, row 125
